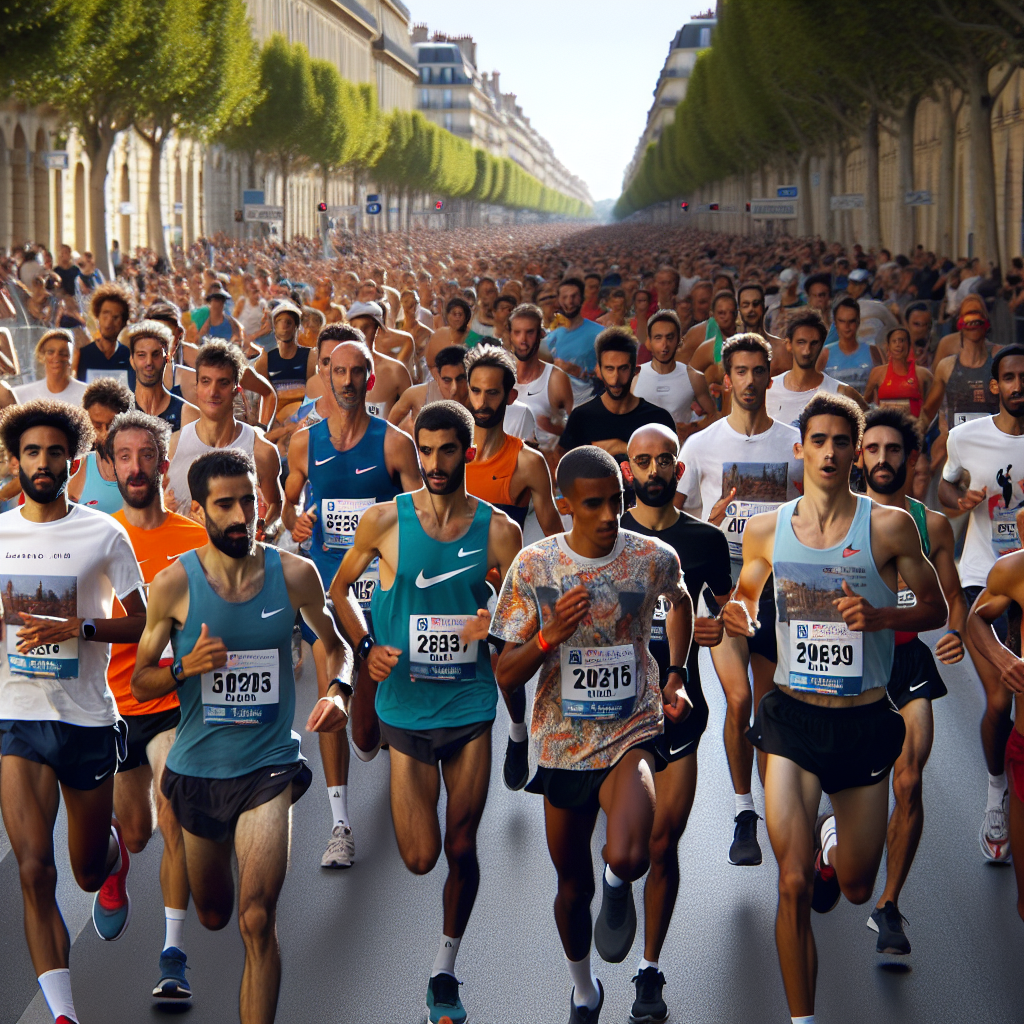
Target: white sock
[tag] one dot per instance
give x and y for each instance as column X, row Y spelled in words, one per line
column 339, row 803
column 444, row 962
column 517, row 732
column 56, row 986
column 174, row 928
column 611, row 878
column 117, row 864
column 996, row 789
column 744, row 802
column 803, row 1020
column 645, row 963
column 585, row 991
column 366, row 755
column 828, row 838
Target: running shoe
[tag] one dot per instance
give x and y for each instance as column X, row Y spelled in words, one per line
column 112, row 906
column 648, row 1007
column 745, row 850
column 443, row 1000
column 63, row 1020
column 341, row 850
column 826, row 886
column 615, row 927
column 995, row 836
column 580, row 1014
column 516, row 770
column 172, row 985
column 889, row 922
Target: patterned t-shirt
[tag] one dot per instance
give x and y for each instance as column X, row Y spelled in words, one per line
column 624, row 587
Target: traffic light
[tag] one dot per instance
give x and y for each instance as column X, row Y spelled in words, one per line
column 439, row 205
column 713, row 207
column 322, row 207
column 748, row 207
column 684, row 206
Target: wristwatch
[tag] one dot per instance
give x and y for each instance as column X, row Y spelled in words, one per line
column 364, row 647
column 88, row 630
column 178, row 671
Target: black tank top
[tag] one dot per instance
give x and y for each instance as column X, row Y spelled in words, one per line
column 93, row 364
column 967, row 393
column 172, row 414
column 287, row 374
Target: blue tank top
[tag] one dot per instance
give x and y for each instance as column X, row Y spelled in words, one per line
column 221, row 330
column 238, row 718
column 287, row 374
column 98, row 493
column 438, row 681
column 172, row 414
column 817, row 652
column 93, row 364
column 343, row 485
column 853, row 368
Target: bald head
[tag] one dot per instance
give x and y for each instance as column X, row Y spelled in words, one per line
column 654, row 468
column 654, row 438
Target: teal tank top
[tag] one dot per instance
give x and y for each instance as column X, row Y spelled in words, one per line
column 238, row 718
column 98, row 493
column 438, row 681
column 817, row 652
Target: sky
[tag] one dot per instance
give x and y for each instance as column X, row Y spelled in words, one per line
column 584, row 71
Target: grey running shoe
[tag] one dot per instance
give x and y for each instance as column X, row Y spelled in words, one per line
column 889, row 922
column 648, row 1007
column 615, row 927
column 341, row 850
column 995, row 835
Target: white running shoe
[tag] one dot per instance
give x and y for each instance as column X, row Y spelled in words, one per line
column 341, row 850
column 995, row 835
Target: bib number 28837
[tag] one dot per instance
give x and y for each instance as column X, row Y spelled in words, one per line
column 437, row 651
column 598, row 682
column 246, row 691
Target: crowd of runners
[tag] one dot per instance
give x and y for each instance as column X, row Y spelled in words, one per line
column 500, row 462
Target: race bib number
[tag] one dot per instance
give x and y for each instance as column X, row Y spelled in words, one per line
column 966, row 417
column 47, row 661
column 737, row 513
column 340, row 517
column 246, row 691
column 1003, row 523
column 598, row 682
column 376, row 409
column 436, row 650
column 825, row 657
column 367, row 583
column 905, row 597
column 94, row 374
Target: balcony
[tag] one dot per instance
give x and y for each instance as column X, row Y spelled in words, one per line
column 438, row 103
column 397, row 52
column 360, row 13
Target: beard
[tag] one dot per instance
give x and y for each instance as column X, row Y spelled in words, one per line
column 44, row 487
column 487, row 422
column 572, row 312
column 656, row 493
column 149, row 495
column 891, row 486
column 344, row 401
column 452, row 482
column 234, row 542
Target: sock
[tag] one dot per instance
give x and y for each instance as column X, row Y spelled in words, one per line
column 117, row 864
column 828, row 838
column 517, row 732
column 585, row 990
column 174, row 927
column 56, row 986
column 611, row 878
column 996, row 789
column 645, row 963
column 444, row 962
column 803, row 1020
column 744, row 802
column 339, row 803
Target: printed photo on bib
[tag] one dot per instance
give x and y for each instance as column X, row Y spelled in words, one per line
column 760, row 487
column 94, row 374
column 246, row 691
column 377, row 409
column 436, row 650
column 49, row 597
column 966, row 417
column 1002, row 512
column 598, row 682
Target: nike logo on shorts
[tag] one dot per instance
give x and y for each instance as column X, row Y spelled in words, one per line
column 918, row 687
column 274, row 775
column 367, row 470
column 429, row 581
column 320, row 462
column 672, row 751
column 266, row 615
column 103, row 775
column 879, row 772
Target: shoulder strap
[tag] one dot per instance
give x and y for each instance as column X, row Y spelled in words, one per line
column 919, row 511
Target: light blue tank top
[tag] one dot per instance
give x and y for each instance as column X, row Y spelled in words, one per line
column 853, row 368
column 98, row 493
column 817, row 652
column 239, row 718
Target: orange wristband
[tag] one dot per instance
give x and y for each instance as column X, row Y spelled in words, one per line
column 545, row 647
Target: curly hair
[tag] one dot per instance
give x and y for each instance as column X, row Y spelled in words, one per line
column 71, row 420
column 112, row 292
column 109, row 393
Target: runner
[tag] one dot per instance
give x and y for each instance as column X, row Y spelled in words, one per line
column 899, row 383
column 849, row 360
column 751, row 309
column 891, row 446
column 149, row 345
column 436, row 696
column 457, row 313
column 94, row 484
column 288, row 366
column 137, row 444
column 829, row 725
column 54, row 351
column 217, row 324
column 982, row 454
column 447, row 382
column 573, row 344
column 112, row 307
column 351, row 460
column 702, row 344
column 369, row 318
column 234, row 771
column 654, row 470
column 578, row 608
column 740, row 466
column 61, row 735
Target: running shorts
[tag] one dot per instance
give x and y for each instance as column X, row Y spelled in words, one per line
column 680, row 739
column 142, row 729
column 81, row 756
column 764, row 641
column 914, row 674
column 576, row 789
column 432, row 745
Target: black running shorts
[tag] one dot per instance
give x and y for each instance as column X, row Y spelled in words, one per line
column 764, row 640
column 81, row 756
column 680, row 739
column 431, row 745
column 914, row 674
column 571, row 789
column 142, row 729
column 845, row 747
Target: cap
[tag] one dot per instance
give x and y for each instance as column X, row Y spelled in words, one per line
column 217, row 292
column 788, row 275
column 860, row 275
column 284, row 306
column 370, row 309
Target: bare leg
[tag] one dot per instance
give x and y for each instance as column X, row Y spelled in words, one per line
column 133, row 806
column 515, row 703
column 995, row 723
column 173, row 875
column 334, row 752
column 730, row 658
column 628, row 801
column 415, row 789
column 861, row 817
column 568, row 835
column 365, row 727
column 763, row 672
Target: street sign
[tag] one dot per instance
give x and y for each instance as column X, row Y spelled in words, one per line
column 847, row 201
column 179, row 208
column 921, row 197
column 56, row 159
column 263, row 214
column 253, row 197
column 373, row 208
column 373, row 199
column 126, row 209
column 773, row 209
column 786, row 191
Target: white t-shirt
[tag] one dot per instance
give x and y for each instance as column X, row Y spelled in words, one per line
column 520, row 422
column 72, row 394
column 672, row 391
column 994, row 460
column 762, row 468
column 785, row 405
column 71, row 567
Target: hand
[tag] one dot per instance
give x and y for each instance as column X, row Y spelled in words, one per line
column 674, row 699
column 1013, row 677
column 303, row 528
column 170, row 500
column 719, row 507
column 328, row 715
column 737, row 620
column 477, row 627
column 857, row 612
column 950, row 649
column 971, row 499
column 37, row 631
column 572, row 369
column 209, row 653
column 569, row 611
column 708, row 632
column 381, row 660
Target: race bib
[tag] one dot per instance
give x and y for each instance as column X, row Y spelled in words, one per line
column 94, row 374
column 51, row 661
column 367, row 583
column 737, row 513
column 658, row 619
column 966, row 417
column 598, row 682
column 905, row 597
column 339, row 518
column 377, row 409
column 825, row 657
column 436, row 650
column 246, row 691
column 1003, row 522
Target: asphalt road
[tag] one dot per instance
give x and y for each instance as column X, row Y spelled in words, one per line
column 358, row 945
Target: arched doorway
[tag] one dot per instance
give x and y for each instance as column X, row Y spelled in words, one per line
column 81, row 237
column 19, row 189
column 41, row 177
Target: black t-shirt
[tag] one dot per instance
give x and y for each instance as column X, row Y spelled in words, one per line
column 704, row 558
column 592, row 422
column 67, row 277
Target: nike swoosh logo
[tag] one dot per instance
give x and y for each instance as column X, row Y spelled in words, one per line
column 425, row 581
column 274, row 775
column 465, row 554
column 850, row 551
column 367, row 470
column 879, row 772
column 103, row 775
column 266, row 615
column 918, row 687
column 320, row 462
column 672, row 751
column 171, row 558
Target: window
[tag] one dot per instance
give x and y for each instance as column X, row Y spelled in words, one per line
column 446, row 100
column 448, row 122
column 446, row 75
column 425, row 75
column 424, row 98
column 705, row 38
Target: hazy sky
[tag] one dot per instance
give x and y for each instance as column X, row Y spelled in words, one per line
column 584, row 72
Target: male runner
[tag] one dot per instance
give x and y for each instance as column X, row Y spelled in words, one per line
column 740, row 466
column 702, row 346
column 351, row 460
column 111, row 307
column 63, row 565
column 448, row 381
column 573, row 344
column 368, row 317
column 435, row 697
column 835, row 557
column 849, row 360
column 987, row 455
column 750, row 306
column 654, row 470
column 94, row 484
column 137, row 445
column 149, row 345
column 235, row 768
column 889, row 451
column 288, row 366
column 579, row 607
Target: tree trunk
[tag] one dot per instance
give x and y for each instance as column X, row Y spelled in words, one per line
column 828, row 171
column 903, row 215
column 804, row 210
column 872, row 240
column 947, row 173
column 154, row 215
column 983, row 169
column 99, row 143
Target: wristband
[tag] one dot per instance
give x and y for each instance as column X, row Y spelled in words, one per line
column 955, row 632
column 364, row 647
column 346, row 688
column 680, row 670
column 88, row 630
column 545, row 647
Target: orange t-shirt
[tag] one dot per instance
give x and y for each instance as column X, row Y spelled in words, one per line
column 155, row 550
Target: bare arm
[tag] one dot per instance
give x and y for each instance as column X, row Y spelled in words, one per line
column 1002, row 587
column 740, row 614
column 400, row 456
column 937, row 389
column 874, row 380
column 301, row 527
column 268, row 471
column 124, row 630
column 854, row 395
column 950, row 648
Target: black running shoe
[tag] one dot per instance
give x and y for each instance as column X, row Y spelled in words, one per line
column 889, row 922
column 580, row 1014
column 745, row 851
column 648, row 1007
column 826, row 886
column 615, row 927
column 516, row 770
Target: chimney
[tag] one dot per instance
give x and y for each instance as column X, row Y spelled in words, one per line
column 494, row 78
column 420, row 34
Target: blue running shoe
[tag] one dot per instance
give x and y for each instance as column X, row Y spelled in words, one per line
column 172, row 985
column 443, row 1000
column 112, row 906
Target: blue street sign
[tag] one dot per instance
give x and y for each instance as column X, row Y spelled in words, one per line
column 373, row 208
column 373, row 199
column 252, row 197
column 786, row 191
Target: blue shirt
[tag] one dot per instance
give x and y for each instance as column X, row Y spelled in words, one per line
column 576, row 346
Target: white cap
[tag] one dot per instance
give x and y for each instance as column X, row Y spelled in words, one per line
column 287, row 307
column 370, row 309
